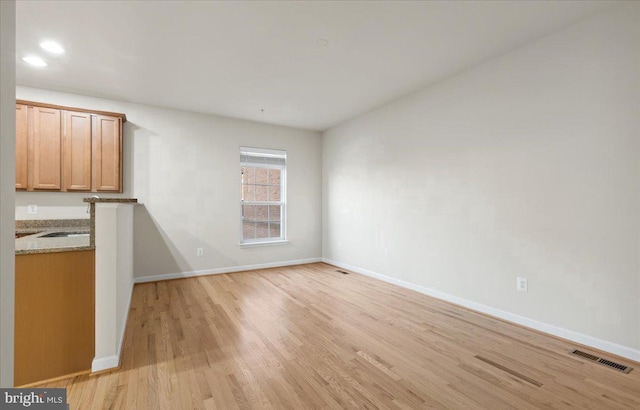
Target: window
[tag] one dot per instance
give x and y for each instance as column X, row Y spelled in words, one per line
column 263, row 198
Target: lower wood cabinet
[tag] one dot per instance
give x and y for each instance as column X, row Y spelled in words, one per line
column 54, row 315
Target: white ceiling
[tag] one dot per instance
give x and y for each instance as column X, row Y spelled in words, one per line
column 237, row 58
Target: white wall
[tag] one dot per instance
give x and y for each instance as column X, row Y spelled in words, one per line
column 185, row 168
column 526, row 165
column 114, row 280
column 7, row 187
column 124, row 277
column 49, row 211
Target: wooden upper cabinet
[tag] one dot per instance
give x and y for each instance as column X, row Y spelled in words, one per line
column 67, row 149
column 22, row 138
column 107, row 153
column 44, row 149
column 76, row 162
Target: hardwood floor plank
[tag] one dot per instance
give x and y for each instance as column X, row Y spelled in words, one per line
column 308, row 337
column 510, row 371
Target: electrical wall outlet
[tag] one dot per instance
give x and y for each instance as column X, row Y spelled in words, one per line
column 199, row 252
column 32, row 209
column 521, row 284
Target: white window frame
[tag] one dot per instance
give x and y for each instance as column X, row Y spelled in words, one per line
column 266, row 153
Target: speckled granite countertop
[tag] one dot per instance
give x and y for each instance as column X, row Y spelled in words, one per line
column 32, row 232
column 36, row 243
column 105, row 200
column 35, row 225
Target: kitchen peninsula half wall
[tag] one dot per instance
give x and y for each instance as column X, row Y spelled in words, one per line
column 73, row 265
column 112, row 236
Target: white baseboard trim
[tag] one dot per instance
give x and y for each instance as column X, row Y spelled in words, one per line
column 104, row 363
column 570, row 335
column 167, row 276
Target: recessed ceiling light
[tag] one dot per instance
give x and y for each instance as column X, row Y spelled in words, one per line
column 52, row 47
column 35, row 61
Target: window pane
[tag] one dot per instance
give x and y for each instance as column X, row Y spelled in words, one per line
column 248, row 230
column 274, row 193
column 274, row 229
column 249, row 212
column 274, row 177
column 248, row 175
column 262, row 230
column 262, row 212
column 248, row 192
column 261, row 193
column 261, row 176
column 248, row 221
column 274, row 213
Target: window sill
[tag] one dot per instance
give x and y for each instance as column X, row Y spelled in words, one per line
column 252, row 244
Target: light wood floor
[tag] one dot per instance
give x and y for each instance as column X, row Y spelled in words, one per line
column 310, row 337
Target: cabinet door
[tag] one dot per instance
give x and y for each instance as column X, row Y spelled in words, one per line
column 54, row 315
column 44, row 149
column 76, row 152
column 21, row 146
column 107, row 154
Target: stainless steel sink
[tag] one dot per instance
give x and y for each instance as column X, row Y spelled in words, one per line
column 23, row 234
column 65, row 234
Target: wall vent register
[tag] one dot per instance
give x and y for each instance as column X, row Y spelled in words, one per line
column 617, row 366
